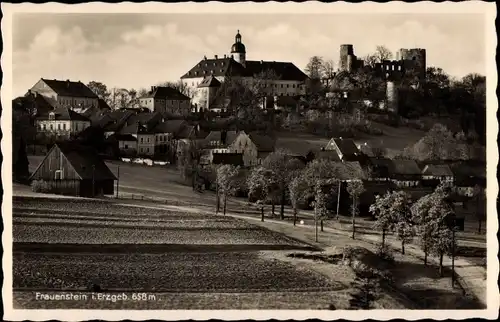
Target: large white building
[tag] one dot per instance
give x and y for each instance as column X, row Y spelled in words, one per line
column 207, row 75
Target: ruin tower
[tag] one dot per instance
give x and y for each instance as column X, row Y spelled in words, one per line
column 238, row 50
column 346, row 57
column 414, row 60
column 392, row 96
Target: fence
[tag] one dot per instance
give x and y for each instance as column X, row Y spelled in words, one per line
column 147, row 162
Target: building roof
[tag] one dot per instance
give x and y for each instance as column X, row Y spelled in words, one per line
column 103, row 105
column 229, row 67
column 125, row 137
column 284, row 70
column 33, row 100
column 405, row 167
column 170, row 126
column 66, row 114
column 163, row 92
column 264, row 143
column 84, row 160
column 210, row 81
column 438, row 170
column 323, row 154
column 346, row 146
column 218, row 136
column 70, row 88
column 228, row 158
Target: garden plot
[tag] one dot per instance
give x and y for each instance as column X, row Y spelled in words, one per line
column 169, row 272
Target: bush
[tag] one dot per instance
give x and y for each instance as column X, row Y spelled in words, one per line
column 40, row 186
column 385, row 253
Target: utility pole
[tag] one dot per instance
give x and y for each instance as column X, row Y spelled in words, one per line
column 118, row 182
column 453, row 252
column 93, row 180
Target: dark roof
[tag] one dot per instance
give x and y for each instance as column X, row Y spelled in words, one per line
column 66, row 114
column 70, row 88
column 218, row 136
column 125, row 137
column 284, row 70
column 163, row 92
column 405, row 167
column 324, row 154
column 85, row 160
column 230, row 67
column 216, row 67
column 263, row 143
column 439, row 170
column 469, row 169
column 210, row 81
column 103, row 105
column 186, row 132
column 170, row 126
column 228, row 158
column 346, row 146
column 34, row 100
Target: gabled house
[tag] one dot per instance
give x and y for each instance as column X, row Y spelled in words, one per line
column 346, row 149
column 35, row 104
column 66, row 93
column 255, row 147
column 166, row 100
column 330, row 155
column 437, row 172
column 62, row 121
column 73, row 169
column 468, row 174
column 405, row 173
column 217, row 142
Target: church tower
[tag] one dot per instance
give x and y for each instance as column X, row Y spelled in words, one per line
column 238, row 51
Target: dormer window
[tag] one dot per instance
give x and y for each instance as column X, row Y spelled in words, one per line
column 52, row 116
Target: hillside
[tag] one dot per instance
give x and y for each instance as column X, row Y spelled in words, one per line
column 394, row 139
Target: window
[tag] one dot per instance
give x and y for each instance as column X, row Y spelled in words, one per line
column 52, row 116
column 51, row 127
column 58, row 175
column 293, row 86
column 287, row 85
column 281, row 85
column 126, row 146
column 148, row 140
column 142, row 141
column 64, row 126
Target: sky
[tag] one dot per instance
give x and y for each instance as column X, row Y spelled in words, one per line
column 139, row 50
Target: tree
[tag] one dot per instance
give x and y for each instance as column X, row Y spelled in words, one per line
column 433, row 213
column 315, row 67
column 181, row 86
column 355, row 189
column 295, row 188
column 226, row 181
column 438, row 144
column 260, row 182
column 370, row 60
column 384, row 214
column 366, row 289
column 328, row 70
column 283, row 168
column 383, row 53
column 404, row 222
column 479, row 197
column 99, row 89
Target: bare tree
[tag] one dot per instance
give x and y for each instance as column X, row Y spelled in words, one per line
column 383, row 53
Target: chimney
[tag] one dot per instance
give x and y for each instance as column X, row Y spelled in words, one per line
column 215, row 56
column 224, row 55
column 262, row 62
column 205, row 57
column 67, row 83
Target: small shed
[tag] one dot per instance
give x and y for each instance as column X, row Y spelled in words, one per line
column 73, row 169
